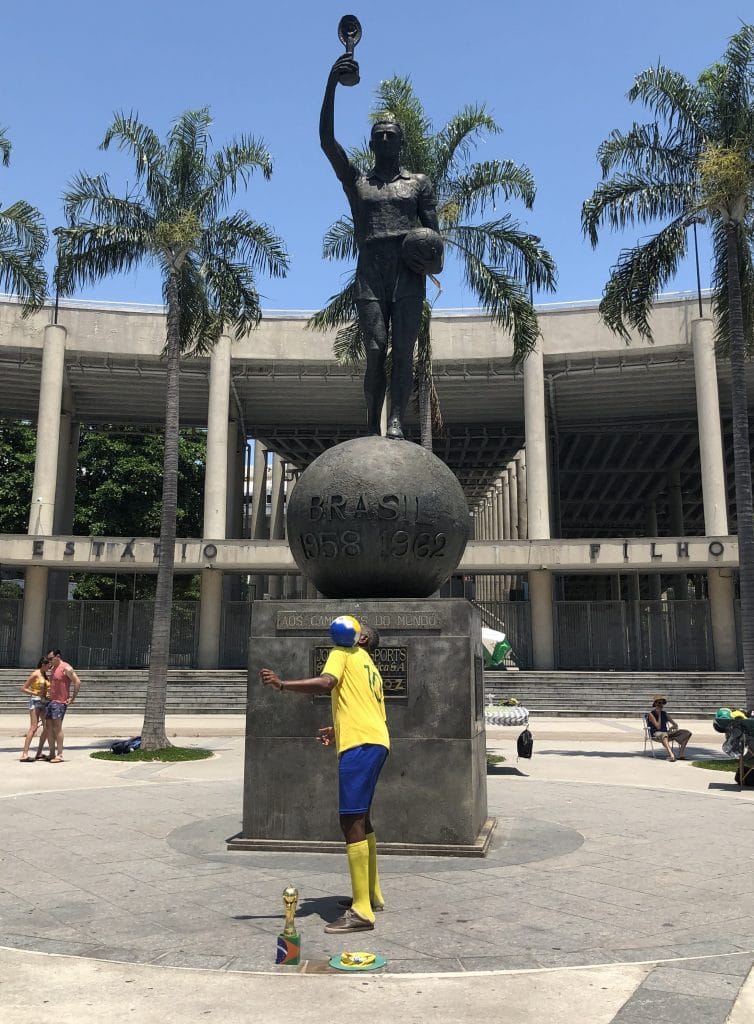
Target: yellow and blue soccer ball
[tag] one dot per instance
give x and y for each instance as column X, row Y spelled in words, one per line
column 345, row 631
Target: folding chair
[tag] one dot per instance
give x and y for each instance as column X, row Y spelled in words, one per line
column 648, row 738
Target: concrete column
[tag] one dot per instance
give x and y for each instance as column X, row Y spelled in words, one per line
column 65, row 490
column 258, row 525
column 235, row 503
column 540, row 599
column 714, row 492
column 655, row 581
column 723, row 620
column 538, row 500
column 615, row 587
column 675, row 496
column 215, row 500
column 505, row 486
column 538, row 506
column 277, row 528
column 42, row 512
column 513, row 504
column 523, row 526
column 498, row 499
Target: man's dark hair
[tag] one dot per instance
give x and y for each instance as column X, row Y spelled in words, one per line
column 372, row 636
column 57, row 653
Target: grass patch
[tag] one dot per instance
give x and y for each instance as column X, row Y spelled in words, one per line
column 495, row 759
column 166, row 754
column 717, row 765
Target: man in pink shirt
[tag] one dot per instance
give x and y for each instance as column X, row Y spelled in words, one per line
column 63, row 679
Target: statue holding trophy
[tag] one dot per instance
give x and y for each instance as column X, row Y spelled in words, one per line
column 289, row 940
column 396, row 232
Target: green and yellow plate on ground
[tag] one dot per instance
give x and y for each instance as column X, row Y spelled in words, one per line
column 357, row 961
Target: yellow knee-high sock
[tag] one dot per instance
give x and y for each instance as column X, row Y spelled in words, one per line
column 375, row 892
column 358, row 865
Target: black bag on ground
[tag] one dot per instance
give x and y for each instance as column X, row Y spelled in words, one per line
column 125, row 746
column 525, row 744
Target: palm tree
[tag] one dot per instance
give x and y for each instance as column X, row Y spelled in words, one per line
column 500, row 261
column 208, row 262
column 23, row 243
column 693, row 164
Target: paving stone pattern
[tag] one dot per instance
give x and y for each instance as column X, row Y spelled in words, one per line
column 577, row 875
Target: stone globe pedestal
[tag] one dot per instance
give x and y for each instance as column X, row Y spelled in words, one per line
column 377, row 518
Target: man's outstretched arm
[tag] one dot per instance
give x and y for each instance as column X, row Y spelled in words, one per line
column 318, row 685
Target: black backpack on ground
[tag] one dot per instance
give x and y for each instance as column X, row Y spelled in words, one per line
column 125, row 746
column 525, row 744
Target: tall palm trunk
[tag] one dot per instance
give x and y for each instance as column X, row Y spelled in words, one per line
column 741, row 458
column 153, row 736
column 425, row 414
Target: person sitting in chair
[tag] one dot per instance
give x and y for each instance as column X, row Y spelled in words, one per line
column 665, row 729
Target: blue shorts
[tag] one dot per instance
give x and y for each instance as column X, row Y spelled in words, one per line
column 56, row 709
column 358, row 771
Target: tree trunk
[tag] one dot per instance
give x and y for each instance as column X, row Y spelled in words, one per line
column 153, row 736
column 741, row 459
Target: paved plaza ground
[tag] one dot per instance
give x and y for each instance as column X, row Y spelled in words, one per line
column 617, row 888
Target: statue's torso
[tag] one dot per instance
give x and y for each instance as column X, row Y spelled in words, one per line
column 386, row 209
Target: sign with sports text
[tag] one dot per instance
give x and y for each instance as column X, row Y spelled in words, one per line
column 391, row 661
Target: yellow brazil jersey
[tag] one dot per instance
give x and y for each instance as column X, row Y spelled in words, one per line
column 358, row 707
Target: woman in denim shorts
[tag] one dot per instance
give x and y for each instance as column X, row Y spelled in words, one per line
column 35, row 688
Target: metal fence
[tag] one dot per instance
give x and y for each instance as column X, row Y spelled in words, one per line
column 10, row 630
column 638, row 636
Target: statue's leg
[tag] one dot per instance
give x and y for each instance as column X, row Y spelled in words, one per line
column 406, row 318
column 374, row 330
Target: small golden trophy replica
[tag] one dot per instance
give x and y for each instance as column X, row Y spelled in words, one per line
column 289, row 940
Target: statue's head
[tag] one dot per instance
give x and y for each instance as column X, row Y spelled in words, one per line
column 386, row 137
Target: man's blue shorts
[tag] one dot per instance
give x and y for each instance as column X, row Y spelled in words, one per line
column 358, row 771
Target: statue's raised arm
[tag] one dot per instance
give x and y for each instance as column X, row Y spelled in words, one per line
column 345, row 69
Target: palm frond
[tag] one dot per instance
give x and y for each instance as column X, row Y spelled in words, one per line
column 424, row 381
column 144, row 145
column 638, row 277
column 230, row 165
column 644, row 150
column 348, row 347
column 5, row 147
column 339, row 242
column 503, row 245
column 719, row 283
column 186, row 162
column 89, row 251
column 233, row 294
column 243, row 239
column 484, row 184
column 455, row 142
column 340, row 309
column 671, row 95
column 89, row 198
column 630, row 198
column 22, row 226
column 198, row 323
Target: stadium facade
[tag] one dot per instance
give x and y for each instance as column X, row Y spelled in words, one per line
column 599, row 479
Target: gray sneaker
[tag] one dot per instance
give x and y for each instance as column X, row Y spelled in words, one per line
column 350, row 922
column 348, row 902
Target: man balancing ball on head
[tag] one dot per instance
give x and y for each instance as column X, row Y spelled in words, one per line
column 361, row 739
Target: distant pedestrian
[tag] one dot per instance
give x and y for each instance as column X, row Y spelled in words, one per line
column 663, row 728
column 63, row 680
column 36, row 690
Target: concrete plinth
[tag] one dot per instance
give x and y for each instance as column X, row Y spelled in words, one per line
column 432, row 795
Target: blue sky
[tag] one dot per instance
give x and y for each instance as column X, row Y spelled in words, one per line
column 554, row 76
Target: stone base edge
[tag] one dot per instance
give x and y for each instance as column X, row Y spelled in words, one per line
column 476, row 849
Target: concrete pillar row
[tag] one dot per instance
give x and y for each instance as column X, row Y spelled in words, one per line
column 714, row 491
column 523, row 523
column 215, row 500
column 505, row 489
column 42, row 511
column 69, row 433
